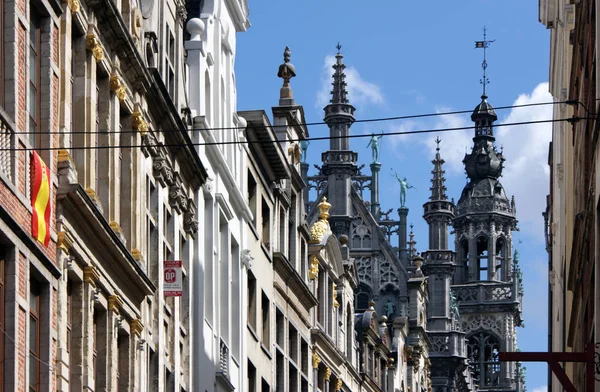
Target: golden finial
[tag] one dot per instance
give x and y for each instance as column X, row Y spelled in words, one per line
column 324, row 208
column 313, row 271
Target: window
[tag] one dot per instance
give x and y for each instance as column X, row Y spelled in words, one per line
column 279, row 329
column 266, row 322
column 282, row 230
column 35, row 65
column 251, row 377
column 266, row 225
column 500, row 259
column 70, row 327
column 482, row 256
column 208, row 260
column 264, row 386
column 34, row 335
column 170, row 63
column 252, row 196
column 252, row 301
column 349, row 333
column 482, row 352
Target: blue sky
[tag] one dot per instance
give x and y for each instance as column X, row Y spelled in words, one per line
column 418, row 57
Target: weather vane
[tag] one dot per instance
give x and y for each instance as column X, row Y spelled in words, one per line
column 484, row 44
column 437, row 142
column 338, row 47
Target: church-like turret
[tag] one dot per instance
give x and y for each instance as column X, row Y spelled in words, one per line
column 339, row 163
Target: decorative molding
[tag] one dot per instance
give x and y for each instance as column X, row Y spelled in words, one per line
column 327, row 374
column 137, row 255
column 74, row 5
column 118, row 231
column 138, row 123
column 313, row 271
column 95, row 199
column 91, row 275
column 92, row 43
column 190, row 223
column 115, row 303
column 136, row 327
column 149, row 145
column 117, row 87
column 177, row 197
column 339, row 383
column 336, row 304
column 162, row 170
column 225, row 207
column 316, row 360
column 247, row 258
column 64, row 241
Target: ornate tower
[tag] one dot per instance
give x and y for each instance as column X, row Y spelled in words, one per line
column 339, row 163
column 448, row 349
column 488, row 294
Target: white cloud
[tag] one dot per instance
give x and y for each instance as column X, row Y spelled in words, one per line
column 526, row 173
column 360, row 91
column 543, row 388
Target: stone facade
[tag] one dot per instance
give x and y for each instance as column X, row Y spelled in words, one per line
column 572, row 205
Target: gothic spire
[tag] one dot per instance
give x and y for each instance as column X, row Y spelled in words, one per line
column 339, row 92
column 438, row 187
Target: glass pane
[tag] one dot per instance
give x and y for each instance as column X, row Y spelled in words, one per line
column 32, row 64
column 32, row 373
column 32, row 335
column 33, row 299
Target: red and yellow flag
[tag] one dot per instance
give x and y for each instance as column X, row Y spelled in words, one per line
column 40, row 200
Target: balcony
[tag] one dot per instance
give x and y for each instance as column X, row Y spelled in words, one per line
column 486, row 292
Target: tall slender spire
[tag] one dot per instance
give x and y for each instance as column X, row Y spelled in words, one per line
column 339, row 94
column 484, row 45
column 438, row 187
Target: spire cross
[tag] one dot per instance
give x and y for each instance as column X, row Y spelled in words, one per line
column 484, row 44
column 411, row 226
column 437, row 142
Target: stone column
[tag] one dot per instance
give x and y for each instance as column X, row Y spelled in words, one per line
column 138, row 348
column 375, row 206
column 473, row 260
column 304, row 174
column 403, row 213
column 315, row 363
column 327, row 378
column 112, row 335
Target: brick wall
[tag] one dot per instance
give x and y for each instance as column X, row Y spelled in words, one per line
column 21, row 358
column 22, row 77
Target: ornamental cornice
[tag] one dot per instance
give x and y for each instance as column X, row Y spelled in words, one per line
column 64, row 241
column 91, row 275
column 136, row 327
column 118, row 87
column 115, row 303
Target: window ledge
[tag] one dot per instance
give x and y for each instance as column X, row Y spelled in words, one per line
column 253, row 332
column 266, row 350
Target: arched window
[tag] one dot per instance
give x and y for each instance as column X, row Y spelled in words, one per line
column 482, row 258
column 482, row 352
column 362, row 297
column 500, row 264
column 464, row 260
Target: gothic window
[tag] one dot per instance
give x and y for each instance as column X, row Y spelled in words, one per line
column 464, row 257
column 363, row 269
column 482, row 258
column 362, row 297
column 482, row 351
column 361, row 235
column 500, row 263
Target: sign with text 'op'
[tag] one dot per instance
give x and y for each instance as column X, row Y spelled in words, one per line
column 172, row 276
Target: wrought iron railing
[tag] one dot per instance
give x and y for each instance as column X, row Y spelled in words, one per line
column 224, row 359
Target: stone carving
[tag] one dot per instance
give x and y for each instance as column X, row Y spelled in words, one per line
column 316, row 360
column 138, row 123
column 439, row 344
column 247, row 258
column 162, row 171
column 313, row 271
column 190, row 223
column 149, row 145
column 364, row 269
column 177, row 197
column 487, row 322
column 92, row 43
column 74, row 5
column 361, row 234
column 387, row 273
column 117, row 87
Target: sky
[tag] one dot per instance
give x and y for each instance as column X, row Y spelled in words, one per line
column 419, row 57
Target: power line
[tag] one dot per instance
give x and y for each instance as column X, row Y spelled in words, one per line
column 368, row 120
column 423, row 131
